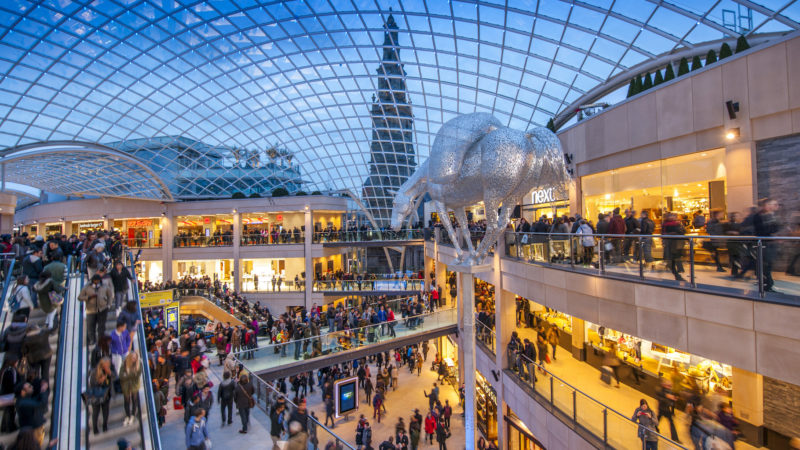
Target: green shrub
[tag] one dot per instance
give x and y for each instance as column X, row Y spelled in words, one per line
column 648, row 81
column 632, row 88
column 658, row 79
column 741, row 44
column 300, row 193
column 255, row 195
column 551, row 125
column 316, row 193
column 683, row 67
column 280, row 192
column 238, row 195
column 711, row 57
column 725, row 51
column 696, row 63
column 669, row 72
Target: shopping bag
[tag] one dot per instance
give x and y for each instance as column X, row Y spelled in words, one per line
column 176, row 403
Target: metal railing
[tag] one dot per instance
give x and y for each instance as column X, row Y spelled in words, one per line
column 225, row 240
column 265, row 285
column 151, row 438
column 274, row 355
column 391, row 284
column 614, row 429
column 134, row 243
column 318, row 434
column 272, row 239
column 485, row 335
column 688, row 261
column 474, row 236
column 404, row 234
column 55, row 416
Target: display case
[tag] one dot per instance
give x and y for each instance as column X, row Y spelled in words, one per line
column 486, row 407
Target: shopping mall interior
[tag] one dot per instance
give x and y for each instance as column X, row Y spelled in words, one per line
column 394, row 224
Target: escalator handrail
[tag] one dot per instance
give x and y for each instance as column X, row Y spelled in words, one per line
column 147, row 380
column 55, row 416
column 6, row 282
column 82, row 361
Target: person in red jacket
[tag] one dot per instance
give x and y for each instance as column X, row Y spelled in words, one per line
column 392, row 323
column 617, row 226
column 430, row 427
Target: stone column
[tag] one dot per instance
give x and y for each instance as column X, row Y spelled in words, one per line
column 237, row 241
column 578, row 339
column 168, row 231
column 440, row 272
column 748, row 403
column 308, row 254
column 466, row 309
column 740, row 177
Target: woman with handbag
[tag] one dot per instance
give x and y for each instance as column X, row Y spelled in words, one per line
column 243, row 397
column 99, row 393
column 9, row 381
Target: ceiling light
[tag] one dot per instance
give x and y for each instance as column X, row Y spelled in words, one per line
column 732, row 133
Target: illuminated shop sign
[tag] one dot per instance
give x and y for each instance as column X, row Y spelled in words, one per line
column 143, row 223
column 547, row 195
column 90, row 225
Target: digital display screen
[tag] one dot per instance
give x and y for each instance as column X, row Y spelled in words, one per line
column 347, row 397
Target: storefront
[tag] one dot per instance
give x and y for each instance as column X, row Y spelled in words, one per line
column 519, row 437
column 549, row 201
column 485, row 407
column 216, row 269
column 327, row 219
column 257, row 274
column 272, row 228
column 204, row 230
column 654, row 360
column 86, row 226
column 683, row 184
column 152, row 271
column 140, row 232
column 52, row 228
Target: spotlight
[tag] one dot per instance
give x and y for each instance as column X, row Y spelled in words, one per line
column 732, row 133
column 234, row 210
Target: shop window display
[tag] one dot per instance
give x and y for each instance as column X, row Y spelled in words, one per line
column 683, row 185
column 519, row 436
column 486, row 407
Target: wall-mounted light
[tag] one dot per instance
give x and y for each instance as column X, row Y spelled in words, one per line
column 234, row 210
column 63, row 219
column 732, row 134
column 163, row 214
column 105, row 216
column 733, row 108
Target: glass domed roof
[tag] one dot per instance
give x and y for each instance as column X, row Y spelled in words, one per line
column 292, row 89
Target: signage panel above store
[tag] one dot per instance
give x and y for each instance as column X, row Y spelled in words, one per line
column 546, row 195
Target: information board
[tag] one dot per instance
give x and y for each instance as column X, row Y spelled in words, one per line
column 155, row 298
column 173, row 315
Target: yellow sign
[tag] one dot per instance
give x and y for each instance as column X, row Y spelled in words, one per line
column 155, row 299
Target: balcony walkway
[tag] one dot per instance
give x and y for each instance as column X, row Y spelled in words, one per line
column 624, row 399
column 339, row 346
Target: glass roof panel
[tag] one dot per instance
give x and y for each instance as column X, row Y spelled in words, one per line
column 274, row 94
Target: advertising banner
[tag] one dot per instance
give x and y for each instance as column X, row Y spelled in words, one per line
column 345, row 393
column 173, row 315
column 155, row 298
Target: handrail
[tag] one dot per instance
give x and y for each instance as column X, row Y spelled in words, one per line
column 147, row 380
column 265, row 407
column 353, row 331
column 568, row 250
column 485, row 334
column 83, row 370
column 532, row 366
column 6, row 283
column 55, row 416
column 366, row 235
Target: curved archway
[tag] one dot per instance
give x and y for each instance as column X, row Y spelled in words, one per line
column 81, row 168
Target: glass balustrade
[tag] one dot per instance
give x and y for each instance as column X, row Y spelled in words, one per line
column 405, row 234
column 388, row 284
column 327, row 343
column 755, row 267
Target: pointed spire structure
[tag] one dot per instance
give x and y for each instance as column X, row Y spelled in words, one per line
column 392, row 158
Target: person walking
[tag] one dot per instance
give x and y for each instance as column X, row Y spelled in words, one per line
column 97, row 297
column 329, row 411
column 225, row 393
column 441, row 435
column 414, row 430
column 430, row 427
column 21, row 302
column 648, row 426
column 368, row 389
column 196, row 431
column 673, row 247
column 243, row 397
column 666, row 407
column 49, row 292
column 276, row 419
column 36, row 349
column 130, row 377
column 121, row 344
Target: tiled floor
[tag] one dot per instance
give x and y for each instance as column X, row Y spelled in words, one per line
column 625, row 399
column 399, row 403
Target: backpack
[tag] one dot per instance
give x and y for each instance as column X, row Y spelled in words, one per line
column 16, row 300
